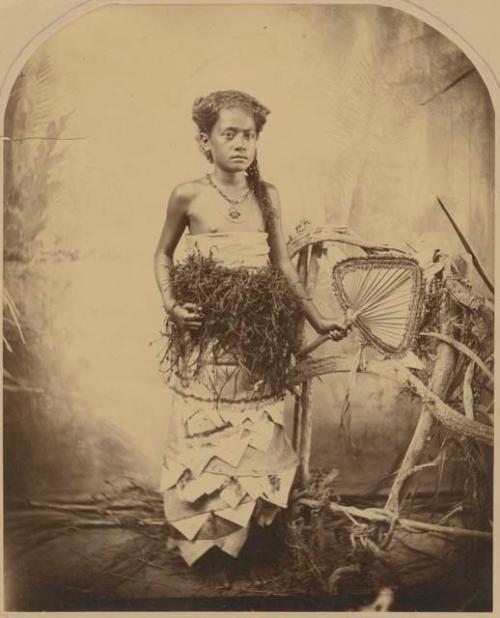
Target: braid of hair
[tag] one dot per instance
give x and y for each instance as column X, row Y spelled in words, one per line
column 261, row 194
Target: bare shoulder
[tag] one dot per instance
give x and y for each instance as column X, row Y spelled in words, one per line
column 183, row 195
column 271, row 189
column 186, row 191
column 273, row 193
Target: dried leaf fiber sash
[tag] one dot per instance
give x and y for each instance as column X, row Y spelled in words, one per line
column 251, row 314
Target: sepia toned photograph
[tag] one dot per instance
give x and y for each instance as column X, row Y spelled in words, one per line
column 248, row 313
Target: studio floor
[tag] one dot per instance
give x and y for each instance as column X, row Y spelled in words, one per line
column 109, row 568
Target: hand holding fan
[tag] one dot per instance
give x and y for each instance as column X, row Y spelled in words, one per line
column 382, row 296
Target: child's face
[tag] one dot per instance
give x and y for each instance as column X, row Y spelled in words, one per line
column 233, row 140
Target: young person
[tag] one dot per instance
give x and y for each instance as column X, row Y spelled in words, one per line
column 228, row 461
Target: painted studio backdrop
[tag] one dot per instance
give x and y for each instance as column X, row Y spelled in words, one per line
column 373, row 115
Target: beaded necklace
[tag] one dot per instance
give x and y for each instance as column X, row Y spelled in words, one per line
column 235, row 213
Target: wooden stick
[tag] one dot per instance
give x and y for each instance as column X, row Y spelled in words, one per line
column 297, row 422
column 297, row 411
column 307, row 386
column 448, row 86
column 348, row 321
column 421, row 525
column 313, row 267
column 475, row 260
column 310, row 347
column 306, row 435
column 381, row 517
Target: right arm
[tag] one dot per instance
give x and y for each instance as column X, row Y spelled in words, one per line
column 175, row 223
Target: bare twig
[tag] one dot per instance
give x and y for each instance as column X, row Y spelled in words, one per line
column 456, row 509
column 404, row 476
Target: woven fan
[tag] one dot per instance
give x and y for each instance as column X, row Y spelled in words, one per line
column 382, row 296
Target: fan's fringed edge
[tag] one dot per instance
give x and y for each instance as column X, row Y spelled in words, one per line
column 416, row 309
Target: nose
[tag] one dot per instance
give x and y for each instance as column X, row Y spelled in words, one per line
column 240, row 142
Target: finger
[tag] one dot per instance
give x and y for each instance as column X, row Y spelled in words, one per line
column 191, row 307
column 335, row 335
column 193, row 315
column 193, row 324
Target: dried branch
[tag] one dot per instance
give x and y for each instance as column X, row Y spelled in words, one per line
column 402, row 478
column 380, row 516
column 468, row 397
column 461, row 347
column 448, row 416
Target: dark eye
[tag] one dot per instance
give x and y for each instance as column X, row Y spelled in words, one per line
column 228, row 134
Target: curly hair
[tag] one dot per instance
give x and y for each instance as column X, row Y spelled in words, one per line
column 206, row 112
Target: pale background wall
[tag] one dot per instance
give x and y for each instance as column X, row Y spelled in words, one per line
column 357, row 136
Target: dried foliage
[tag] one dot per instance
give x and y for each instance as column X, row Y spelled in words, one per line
column 338, row 552
column 12, row 332
column 319, row 552
column 249, row 314
column 32, row 155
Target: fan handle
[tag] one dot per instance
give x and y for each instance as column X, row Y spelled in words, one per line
column 350, row 317
column 312, row 346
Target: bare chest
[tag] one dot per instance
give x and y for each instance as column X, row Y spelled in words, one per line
column 210, row 212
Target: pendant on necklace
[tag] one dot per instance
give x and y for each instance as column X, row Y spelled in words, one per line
column 234, row 214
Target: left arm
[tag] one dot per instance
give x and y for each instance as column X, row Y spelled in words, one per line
column 281, row 258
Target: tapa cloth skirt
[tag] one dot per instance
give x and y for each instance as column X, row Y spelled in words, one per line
column 227, row 462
